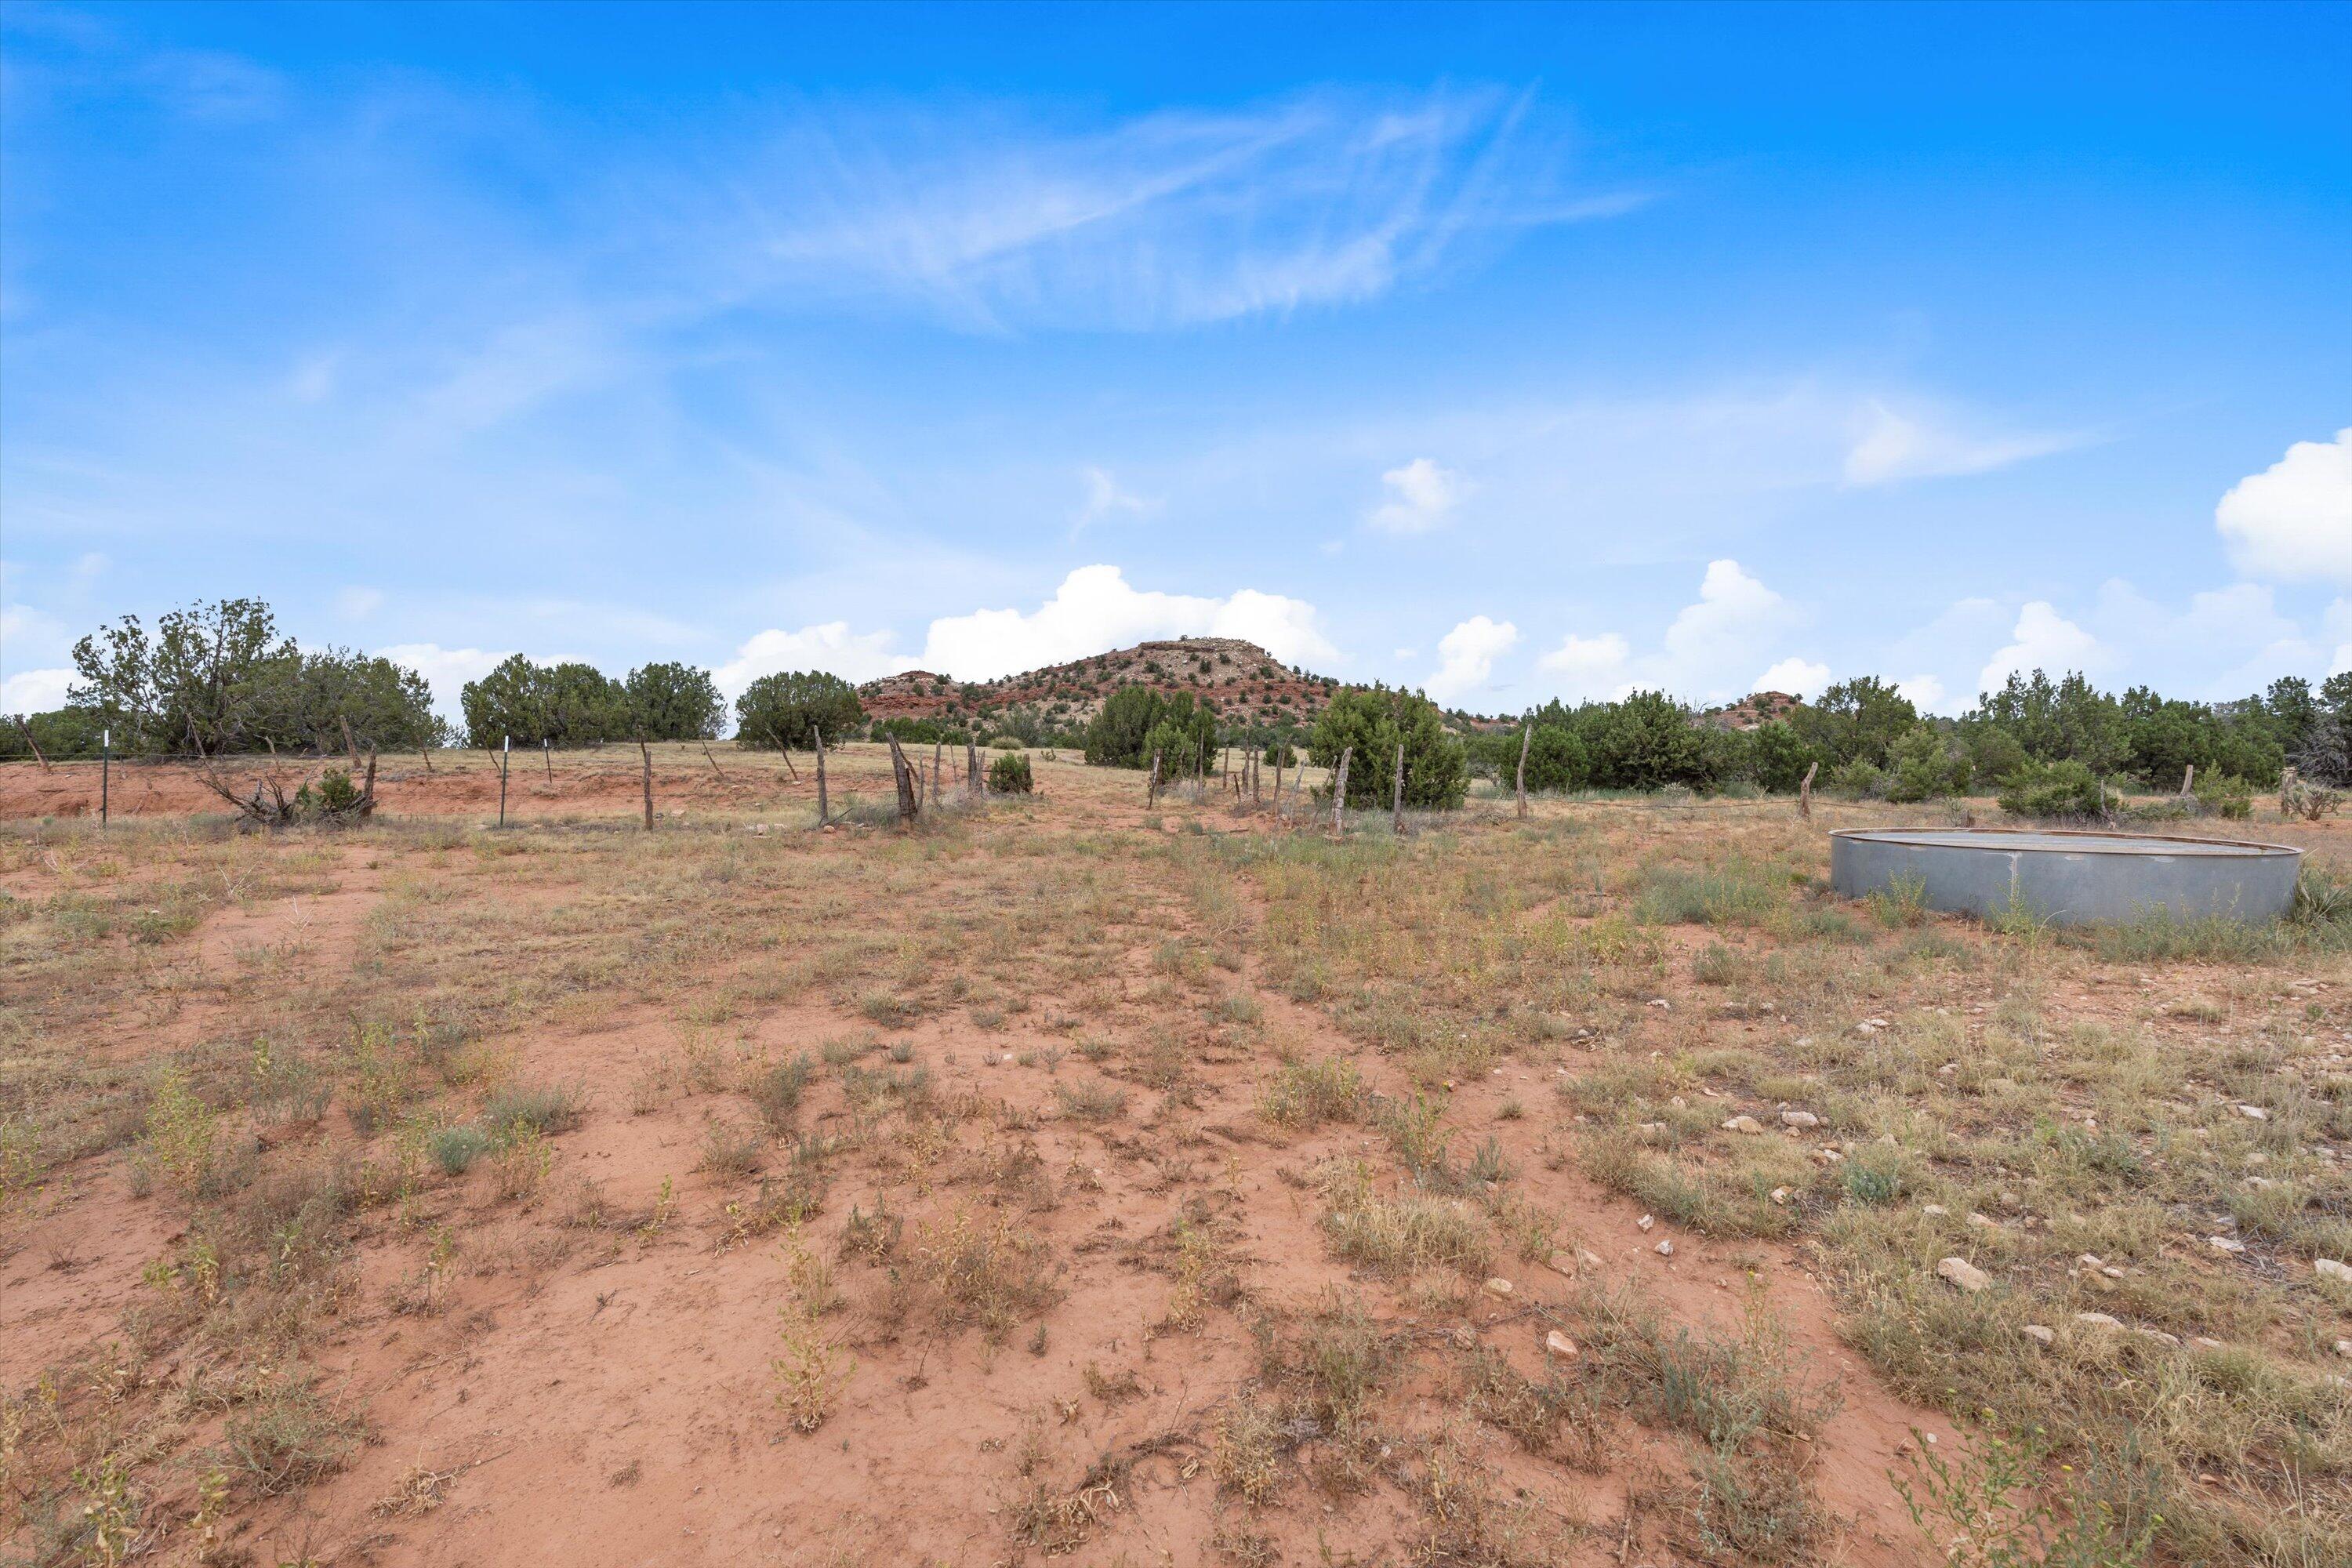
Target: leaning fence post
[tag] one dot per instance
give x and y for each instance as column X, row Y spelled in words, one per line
column 903, row 775
column 1805, row 791
column 547, row 757
column 1396, row 794
column 27, row 730
column 824, row 810
column 1339, row 792
column 647, row 754
column 1527, row 733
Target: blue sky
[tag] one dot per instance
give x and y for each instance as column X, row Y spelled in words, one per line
column 1510, row 352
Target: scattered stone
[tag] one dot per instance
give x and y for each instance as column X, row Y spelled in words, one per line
column 1664, row 1250
column 1589, row 1260
column 2261, row 1183
column 1935, row 1211
column 2204, row 1343
column 1645, row 1222
column 2097, row 1321
column 1561, row 1263
column 1780, row 1196
column 2344, row 1349
column 1661, row 1004
column 1679, row 1103
column 1560, row 1345
column 2169, row 1342
column 2091, row 1260
column 1743, row 1124
column 1983, row 1221
column 1498, row 1286
column 2040, row 1333
column 2254, row 1113
column 2225, row 1244
column 1962, row 1274
column 2332, row 1268
column 1799, row 1119
column 1870, row 1026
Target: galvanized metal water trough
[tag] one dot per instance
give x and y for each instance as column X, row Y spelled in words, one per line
column 2065, row 878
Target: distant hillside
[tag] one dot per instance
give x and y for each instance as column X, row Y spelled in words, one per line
column 1244, row 682
column 1752, row 711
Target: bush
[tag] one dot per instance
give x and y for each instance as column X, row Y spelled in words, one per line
column 1005, row 743
column 1375, row 720
column 2053, row 790
column 2226, row 797
column 1857, row 780
column 1780, row 756
column 1136, row 721
column 783, row 713
column 1009, row 775
column 1923, row 765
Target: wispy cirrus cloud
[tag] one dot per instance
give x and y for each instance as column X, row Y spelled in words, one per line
column 995, row 223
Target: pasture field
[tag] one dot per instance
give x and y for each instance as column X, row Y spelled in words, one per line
column 1065, row 1179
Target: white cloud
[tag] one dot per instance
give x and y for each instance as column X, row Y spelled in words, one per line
column 2294, row 518
column 1168, row 219
column 35, row 691
column 445, row 669
column 1096, row 608
column 856, row 657
column 1106, row 501
column 1888, row 446
column 1421, row 496
column 2045, row 640
column 1798, row 677
column 1465, row 657
column 1589, row 669
column 1704, row 650
column 1926, row 693
column 357, row 603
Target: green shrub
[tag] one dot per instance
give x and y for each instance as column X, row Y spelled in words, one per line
column 2053, row 790
column 1923, row 765
column 1010, row 774
column 454, row 1149
column 2226, row 795
column 1857, row 780
column 1375, row 720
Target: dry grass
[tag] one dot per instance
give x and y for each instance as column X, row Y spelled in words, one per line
column 1048, row 1075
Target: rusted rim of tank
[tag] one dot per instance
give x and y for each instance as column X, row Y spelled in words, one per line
column 2252, row 846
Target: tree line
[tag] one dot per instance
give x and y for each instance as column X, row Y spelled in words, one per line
column 220, row 677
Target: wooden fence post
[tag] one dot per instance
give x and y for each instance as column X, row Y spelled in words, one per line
column 904, row 773
column 547, row 756
column 1396, row 794
column 713, row 761
column 350, row 750
column 2188, row 779
column 1257, row 755
column 28, row 730
column 938, row 751
column 1151, row 784
column 1339, row 792
column 646, row 753
column 1805, row 791
column 425, row 755
column 367, row 790
column 823, row 809
column 974, row 784
column 1527, row 733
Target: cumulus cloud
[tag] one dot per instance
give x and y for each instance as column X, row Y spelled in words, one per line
column 35, row 691
column 1467, row 655
column 1729, row 628
column 1797, row 677
column 2294, row 518
column 445, row 669
column 1421, row 496
column 1889, row 446
column 832, row 648
column 1589, row 668
column 1097, row 608
column 2045, row 640
column 1926, row 693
